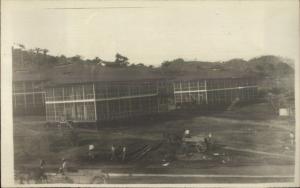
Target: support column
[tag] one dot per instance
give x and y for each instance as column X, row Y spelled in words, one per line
column 189, row 84
column 180, row 92
column 107, row 105
column 175, row 100
column 54, row 106
column 205, row 89
column 84, row 107
column 73, row 104
column 33, row 97
column 130, row 101
column 63, row 98
column 119, row 101
column 198, row 87
column 24, row 94
column 95, row 104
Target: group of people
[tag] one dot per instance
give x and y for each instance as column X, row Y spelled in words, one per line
column 207, row 142
column 118, row 153
column 61, row 170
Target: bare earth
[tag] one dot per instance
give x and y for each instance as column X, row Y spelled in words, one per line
column 255, row 143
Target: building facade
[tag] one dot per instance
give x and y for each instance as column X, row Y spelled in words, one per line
column 101, row 101
column 104, row 101
column 214, row 91
column 28, row 97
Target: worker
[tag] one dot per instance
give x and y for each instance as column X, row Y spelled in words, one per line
column 123, row 153
column 187, row 134
column 41, row 173
column 113, row 153
column 63, row 167
column 207, row 144
column 91, row 151
column 42, row 163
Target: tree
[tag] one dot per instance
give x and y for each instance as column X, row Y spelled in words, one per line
column 121, row 60
column 97, row 61
column 37, row 50
column 45, row 51
column 76, row 59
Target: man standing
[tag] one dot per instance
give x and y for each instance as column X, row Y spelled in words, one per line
column 113, row 153
column 91, row 152
column 123, row 153
column 63, row 167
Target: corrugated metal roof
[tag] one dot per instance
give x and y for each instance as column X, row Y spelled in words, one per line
column 83, row 73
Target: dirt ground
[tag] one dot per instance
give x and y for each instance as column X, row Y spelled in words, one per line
column 248, row 139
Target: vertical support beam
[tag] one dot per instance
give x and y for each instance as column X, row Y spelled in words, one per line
column 180, row 92
column 95, row 104
column 205, row 89
column 47, row 118
column 119, row 100
column 25, row 102
column 33, row 97
column 107, row 105
column 189, row 85
column 84, row 107
column 54, row 104
column 130, row 101
column 63, row 98
column 175, row 100
column 74, row 114
column 198, row 87
column 231, row 85
column 225, row 91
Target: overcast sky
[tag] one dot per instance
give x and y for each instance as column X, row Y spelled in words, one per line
column 152, row 32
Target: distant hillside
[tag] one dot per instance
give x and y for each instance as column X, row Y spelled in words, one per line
column 37, row 64
column 264, row 66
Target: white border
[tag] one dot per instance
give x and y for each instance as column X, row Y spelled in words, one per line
column 7, row 166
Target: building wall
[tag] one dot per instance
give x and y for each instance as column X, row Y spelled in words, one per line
column 28, row 98
column 72, row 102
column 214, row 91
column 109, row 101
column 102, row 101
column 122, row 100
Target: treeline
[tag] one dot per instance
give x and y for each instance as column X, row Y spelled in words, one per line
column 39, row 57
column 264, row 66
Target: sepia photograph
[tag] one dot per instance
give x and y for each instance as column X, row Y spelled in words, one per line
column 150, row 93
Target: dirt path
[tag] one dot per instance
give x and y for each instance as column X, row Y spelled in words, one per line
column 259, row 152
column 270, row 123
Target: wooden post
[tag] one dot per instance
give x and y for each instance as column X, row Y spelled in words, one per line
column 46, row 106
column 130, row 101
column 107, row 105
column 198, row 87
column 33, row 97
column 205, row 89
column 84, row 106
column 175, row 100
column 63, row 98
column 189, row 86
column 119, row 100
column 180, row 93
column 95, row 103
column 73, row 104
column 24, row 94
column 54, row 104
